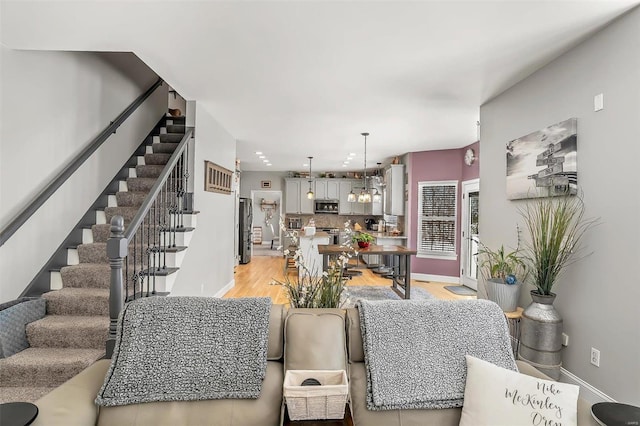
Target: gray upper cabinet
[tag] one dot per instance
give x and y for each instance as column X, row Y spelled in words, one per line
column 296, row 200
column 394, row 190
column 327, row 189
column 346, row 207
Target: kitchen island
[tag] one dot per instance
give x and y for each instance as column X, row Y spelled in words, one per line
column 308, row 245
column 401, row 279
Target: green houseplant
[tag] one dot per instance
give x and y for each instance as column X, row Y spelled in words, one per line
column 363, row 239
column 556, row 227
column 503, row 271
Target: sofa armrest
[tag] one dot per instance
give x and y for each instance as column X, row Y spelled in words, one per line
column 72, row 403
column 584, row 407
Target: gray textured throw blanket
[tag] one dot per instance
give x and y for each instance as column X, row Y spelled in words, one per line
column 415, row 350
column 188, row 348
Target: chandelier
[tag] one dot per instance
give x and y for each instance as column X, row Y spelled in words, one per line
column 365, row 195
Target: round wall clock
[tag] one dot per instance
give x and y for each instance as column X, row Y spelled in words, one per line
column 469, row 157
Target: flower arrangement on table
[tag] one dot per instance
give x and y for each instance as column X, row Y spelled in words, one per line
column 308, row 289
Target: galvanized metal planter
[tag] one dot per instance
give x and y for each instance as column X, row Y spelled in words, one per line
column 541, row 335
column 505, row 295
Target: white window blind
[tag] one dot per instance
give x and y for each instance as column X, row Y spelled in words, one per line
column 437, row 207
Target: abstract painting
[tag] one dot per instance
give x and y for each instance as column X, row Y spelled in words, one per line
column 543, row 163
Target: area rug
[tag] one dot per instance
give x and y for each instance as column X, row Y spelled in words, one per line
column 353, row 293
column 266, row 250
column 461, row 290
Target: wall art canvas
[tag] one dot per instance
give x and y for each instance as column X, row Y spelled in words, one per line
column 543, row 163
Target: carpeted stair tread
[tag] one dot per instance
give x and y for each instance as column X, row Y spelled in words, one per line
column 171, row 137
column 69, row 331
column 166, row 147
column 78, row 301
column 101, row 232
column 132, row 198
column 140, row 184
column 93, row 253
column 148, row 170
column 156, row 159
column 128, row 212
column 176, row 128
column 46, row 367
column 23, row 394
column 86, row 275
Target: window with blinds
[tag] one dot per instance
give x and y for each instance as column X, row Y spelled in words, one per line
column 437, row 207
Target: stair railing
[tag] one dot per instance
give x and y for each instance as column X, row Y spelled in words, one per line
column 23, row 215
column 138, row 255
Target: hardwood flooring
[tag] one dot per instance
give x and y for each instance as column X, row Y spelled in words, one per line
column 254, row 280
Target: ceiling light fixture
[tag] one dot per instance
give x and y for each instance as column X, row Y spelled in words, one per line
column 258, row 152
column 310, row 193
column 377, row 197
column 365, row 195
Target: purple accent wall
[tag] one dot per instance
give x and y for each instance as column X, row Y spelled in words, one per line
column 433, row 166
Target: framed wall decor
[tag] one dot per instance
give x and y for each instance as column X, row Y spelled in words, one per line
column 543, row 163
column 217, row 178
column 265, row 184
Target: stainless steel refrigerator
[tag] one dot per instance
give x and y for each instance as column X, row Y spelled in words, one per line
column 245, row 213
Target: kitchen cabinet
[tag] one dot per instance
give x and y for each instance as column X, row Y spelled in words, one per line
column 345, row 207
column 296, row 200
column 310, row 255
column 327, row 189
column 393, row 194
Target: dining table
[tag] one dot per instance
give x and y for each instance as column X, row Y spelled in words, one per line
column 400, row 262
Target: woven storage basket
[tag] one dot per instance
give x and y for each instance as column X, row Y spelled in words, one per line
column 326, row 401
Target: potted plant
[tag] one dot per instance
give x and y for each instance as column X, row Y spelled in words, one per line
column 556, row 227
column 363, row 239
column 504, row 273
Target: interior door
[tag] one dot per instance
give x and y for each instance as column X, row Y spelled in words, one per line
column 469, row 252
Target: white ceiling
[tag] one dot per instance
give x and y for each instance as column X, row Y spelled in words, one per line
column 298, row 79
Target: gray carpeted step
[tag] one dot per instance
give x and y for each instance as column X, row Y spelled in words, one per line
column 101, row 232
column 46, row 367
column 66, row 331
column 93, row 253
column 166, row 147
column 175, row 128
column 127, row 212
column 156, row 159
column 171, row 137
column 149, row 170
column 178, row 120
column 140, row 184
column 22, row 394
column 86, row 275
column 132, row 198
column 78, row 301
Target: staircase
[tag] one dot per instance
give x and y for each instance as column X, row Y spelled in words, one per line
column 74, row 331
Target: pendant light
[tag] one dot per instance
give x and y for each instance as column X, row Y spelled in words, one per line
column 377, row 196
column 310, row 193
column 365, row 195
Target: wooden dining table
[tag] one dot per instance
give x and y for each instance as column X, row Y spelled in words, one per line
column 400, row 264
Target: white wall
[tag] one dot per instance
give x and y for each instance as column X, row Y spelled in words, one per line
column 259, row 216
column 250, row 181
column 208, row 264
column 598, row 297
column 53, row 104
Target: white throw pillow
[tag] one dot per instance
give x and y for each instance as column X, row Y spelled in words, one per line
column 494, row 396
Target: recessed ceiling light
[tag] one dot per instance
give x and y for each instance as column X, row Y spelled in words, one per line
column 268, row 164
column 258, row 152
column 345, row 163
column 265, row 161
column 305, row 165
column 262, row 156
column 352, row 154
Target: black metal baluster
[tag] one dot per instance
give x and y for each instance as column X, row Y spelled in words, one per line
column 149, row 271
column 180, row 191
column 174, row 201
column 126, row 278
column 134, row 277
column 163, row 212
column 156, row 252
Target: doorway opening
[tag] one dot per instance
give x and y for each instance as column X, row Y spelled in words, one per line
column 470, row 231
column 267, row 211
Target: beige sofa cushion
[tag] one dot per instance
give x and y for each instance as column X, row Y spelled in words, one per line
column 315, row 340
column 363, row 417
column 276, row 332
column 264, row 411
column 354, row 336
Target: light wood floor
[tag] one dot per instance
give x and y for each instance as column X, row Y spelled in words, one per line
column 254, row 280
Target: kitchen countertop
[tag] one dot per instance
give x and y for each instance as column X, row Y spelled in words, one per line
column 318, row 234
column 387, row 235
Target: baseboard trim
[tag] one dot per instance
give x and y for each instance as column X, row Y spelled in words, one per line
column 438, row 278
column 587, row 391
column 225, row 289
